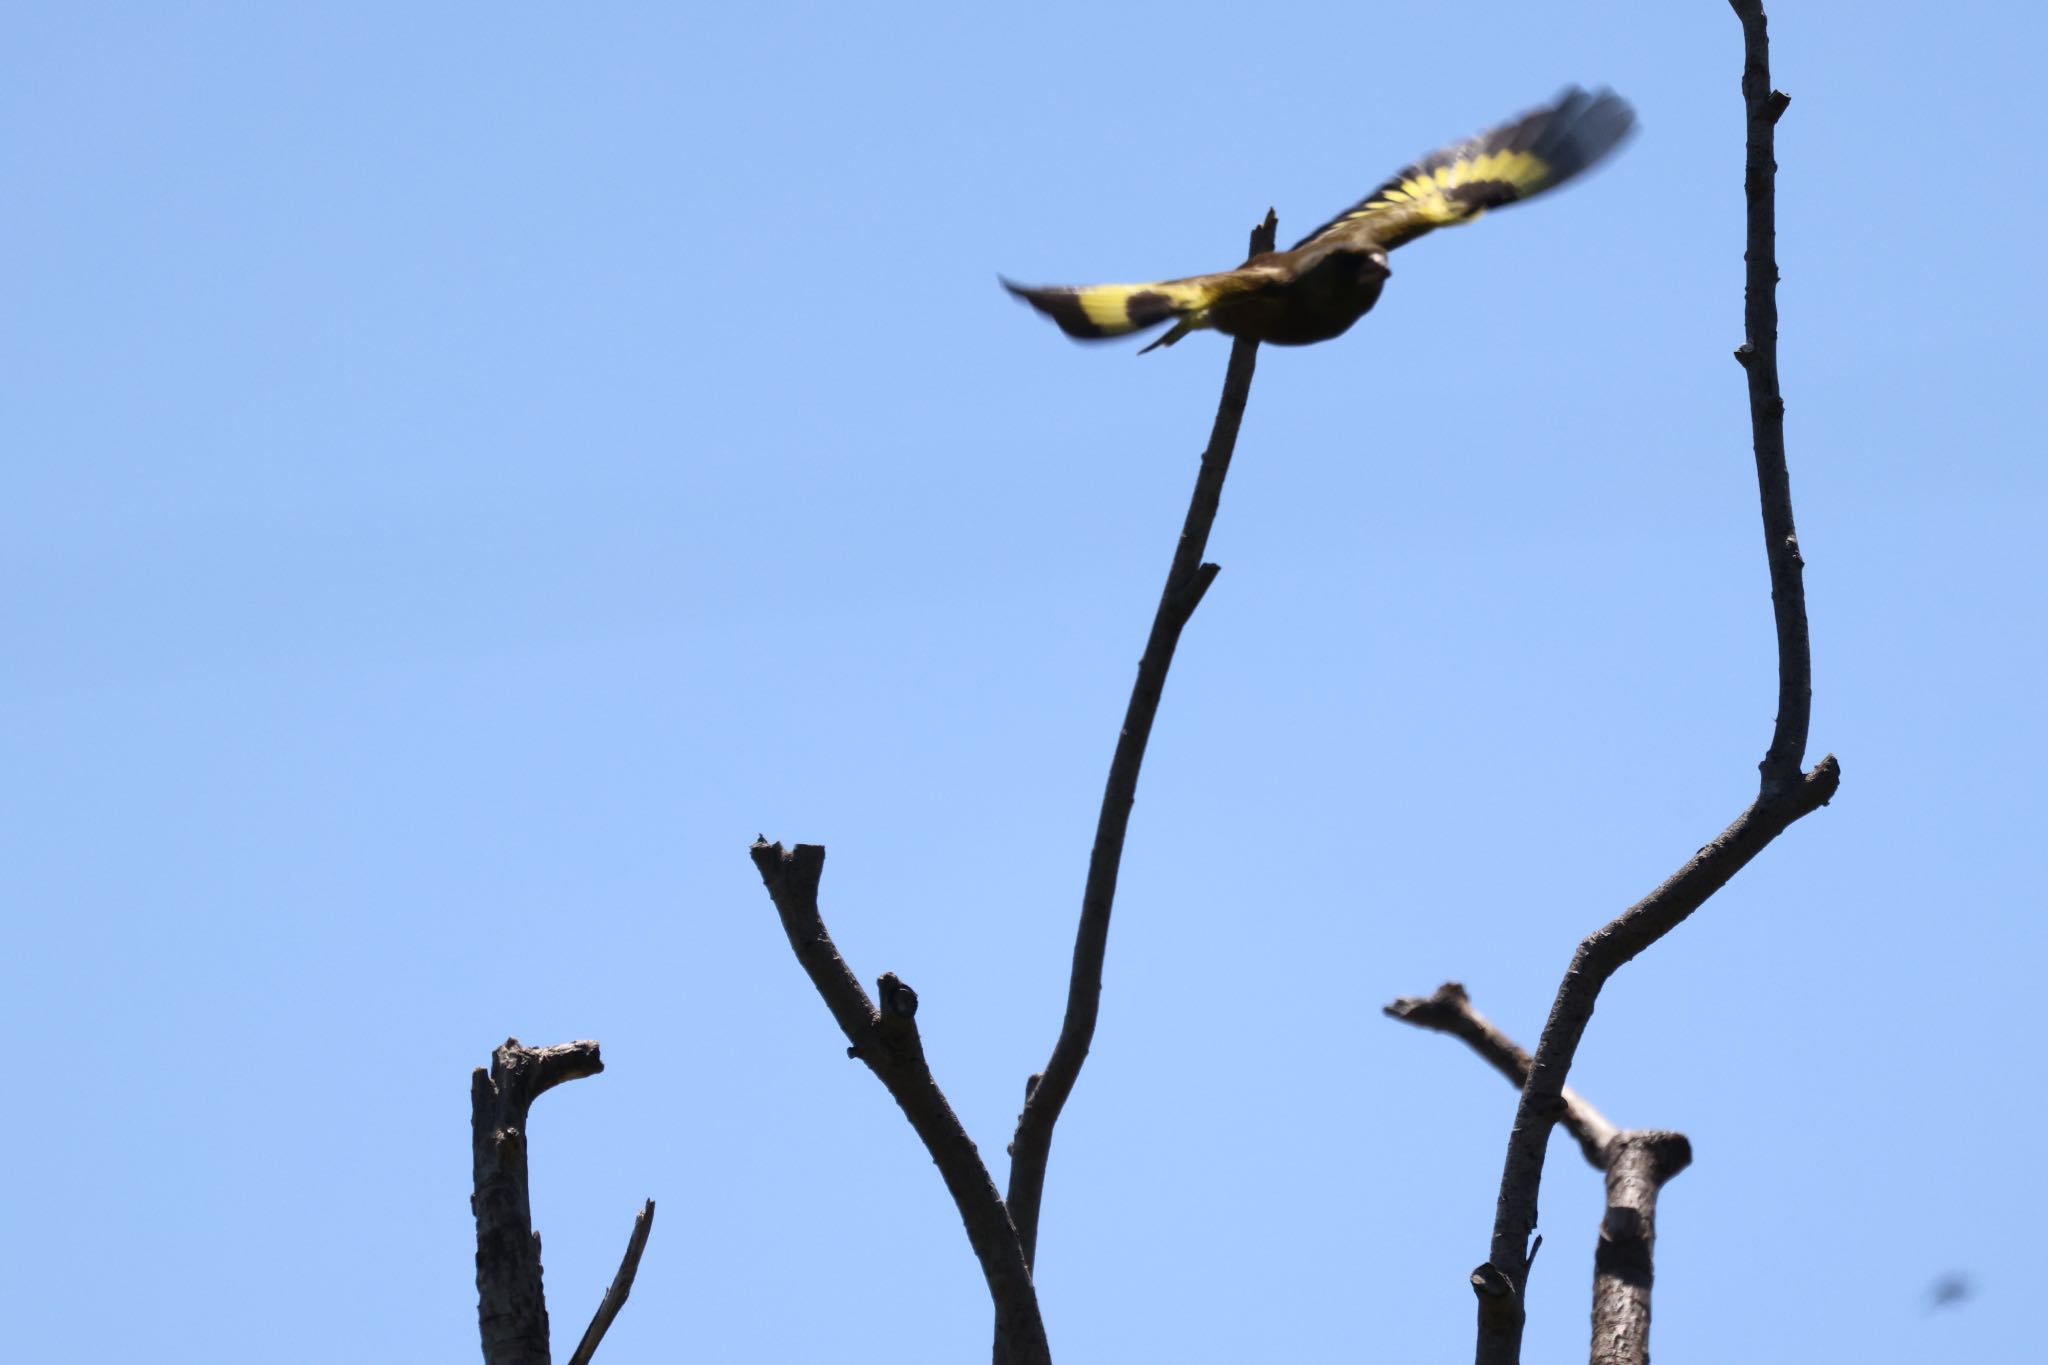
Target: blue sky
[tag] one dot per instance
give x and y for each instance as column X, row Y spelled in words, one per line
column 472, row 469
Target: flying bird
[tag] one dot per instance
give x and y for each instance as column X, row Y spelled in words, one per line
column 1331, row 278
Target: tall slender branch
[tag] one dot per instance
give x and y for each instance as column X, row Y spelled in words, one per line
column 1187, row 579
column 1785, row 793
column 1758, row 356
column 886, row 1038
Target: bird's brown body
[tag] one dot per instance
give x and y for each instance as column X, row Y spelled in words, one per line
column 1331, row 278
column 1325, row 292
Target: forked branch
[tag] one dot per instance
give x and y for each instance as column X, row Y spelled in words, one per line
column 1187, row 579
column 1637, row 1162
column 1785, row 793
column 1004, row 1232
column 512, row 1310
column 887, row 1040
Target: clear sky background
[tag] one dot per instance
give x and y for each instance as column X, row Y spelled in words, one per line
column 469, row 469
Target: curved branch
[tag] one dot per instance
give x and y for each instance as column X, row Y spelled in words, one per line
column 1758, row 356
column 887, row 1040
column 1598, row 958
column 1045, row 1094
column 1785, row 794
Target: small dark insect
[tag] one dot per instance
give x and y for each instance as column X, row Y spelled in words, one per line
column 1949, row 1290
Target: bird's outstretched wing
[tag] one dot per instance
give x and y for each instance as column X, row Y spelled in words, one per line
column 1541, row 149
column 1093, row 311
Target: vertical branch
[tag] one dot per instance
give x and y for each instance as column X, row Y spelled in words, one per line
column 1186, row 581
column 512, row 1310
column 1638, row 1167
column 1758, row 356
column 1784, row 794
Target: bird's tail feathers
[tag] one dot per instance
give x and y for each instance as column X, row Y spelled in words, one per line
column 1168, row 337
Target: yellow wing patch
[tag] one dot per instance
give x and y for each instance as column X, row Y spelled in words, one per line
column 1433, row 193
column 1541, row 149
column 1113, row 310
column 1107, row 307
column 1526, row 171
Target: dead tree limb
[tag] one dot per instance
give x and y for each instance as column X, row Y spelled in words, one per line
column 622, row 1285
column 1450, row 1010
column 1187, row 579
column 886, row 1039
column 1637, row 1163
column 512, row 1309
column 1785, row 793
column 1004, row 1232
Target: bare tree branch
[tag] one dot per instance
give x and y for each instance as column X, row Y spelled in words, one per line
column 1785, row 794
column 1045, row 1094
column 1637, row 1163
column 1597, row 959
column 512, row 1310
column 887, row 1040
column 1758, row 356
column 1640, row 1161
column 622, row 1285
column 1450, row 1011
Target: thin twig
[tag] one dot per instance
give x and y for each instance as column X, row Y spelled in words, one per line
column 622, row 1285
column 887, row 1040
column 1785, row 794
column 512, row 1309
column 1186, row 581
column 1449, row 1010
